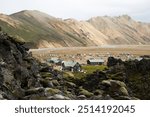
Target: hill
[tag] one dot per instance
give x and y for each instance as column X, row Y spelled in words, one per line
column 40, row 30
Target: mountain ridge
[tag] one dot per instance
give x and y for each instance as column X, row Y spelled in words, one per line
column 41, row 30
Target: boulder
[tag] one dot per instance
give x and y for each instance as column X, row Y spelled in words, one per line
column 46, row 83
column 113, row 61
column 58, row 97
column 98, row 92
column 51, row 91
column 81, row 97
column 115, row 88
column 1, row 95
column 34, row 91
column 55, row 83
column 85, row 92
column 102, row 97
column 70, row 84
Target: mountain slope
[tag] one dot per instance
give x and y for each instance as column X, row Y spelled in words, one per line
column 122, row 30
column 41, row 30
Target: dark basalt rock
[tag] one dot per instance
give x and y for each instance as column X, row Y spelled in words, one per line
column 113, row 61
column 15, row 75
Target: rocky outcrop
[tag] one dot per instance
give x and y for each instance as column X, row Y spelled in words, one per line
column 135, row 74
column 115, row 88
column 113, row 61
column 18, row 69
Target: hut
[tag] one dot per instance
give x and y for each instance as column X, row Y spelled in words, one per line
column 71, row 66
column 56, row 61
column 95, row 61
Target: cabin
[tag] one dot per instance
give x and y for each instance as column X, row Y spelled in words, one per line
column 71, row 66
column 95, row 61
column 139, row 58
column 56, row 61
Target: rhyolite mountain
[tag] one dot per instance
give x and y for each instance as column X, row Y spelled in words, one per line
column 42, row 31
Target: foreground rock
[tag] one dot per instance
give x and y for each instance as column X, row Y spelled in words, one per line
column 18, row 69
column 135, row 74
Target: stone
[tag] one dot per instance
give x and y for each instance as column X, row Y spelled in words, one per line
column 113, row 83
column 106, row 83
column 34, row 91
column 69, row 94
column 107, row 97
column 55, row 83
column 46, row 75
column 123, row 91
column 46, row 83
column 98, row 92
column 81, row 97
column 58, row 97
column 22, row 74
column 97, row 97
column 1, row 97
column 116, row 83
column 35, row 97
column 18, row 93
column 51, row 91
column 113, row 61
column 86, row 93
column 115, row 88
column 70, row 84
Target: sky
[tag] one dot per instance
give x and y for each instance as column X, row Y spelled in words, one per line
column 81, row 9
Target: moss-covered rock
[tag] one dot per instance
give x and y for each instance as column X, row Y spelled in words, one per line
column 117, row 76
column 51, row 91
column 58, row 97
column 70, row 84
column 98, row 92
column 55, row 82
column 115, row 88
column 123, row 91
column 85, row 92
column 34, row 91
column 46, row 83
column 46, row 74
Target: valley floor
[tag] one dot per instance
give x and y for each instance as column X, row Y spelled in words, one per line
column 81, row 54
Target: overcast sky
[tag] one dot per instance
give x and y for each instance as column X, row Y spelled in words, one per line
column 81, row 9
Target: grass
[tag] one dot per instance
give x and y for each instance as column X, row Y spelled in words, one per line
column 88, row 69
column 91, row 68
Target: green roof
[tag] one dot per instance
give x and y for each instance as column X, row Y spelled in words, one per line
column 69, row 63
column 96, row 60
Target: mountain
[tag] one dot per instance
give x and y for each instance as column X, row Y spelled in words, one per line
column 40, row 30
column 122, row 30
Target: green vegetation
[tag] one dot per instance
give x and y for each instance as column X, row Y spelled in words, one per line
column 46, row 74
column 139, row 85
column 52, row 91
column 85, row 92
column 116, row 76
column 91, row 68
column 87, row 69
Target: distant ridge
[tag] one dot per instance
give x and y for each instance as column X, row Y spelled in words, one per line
column 41, row 30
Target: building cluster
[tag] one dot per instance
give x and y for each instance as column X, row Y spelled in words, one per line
column 71, row 65
column 74, row 62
